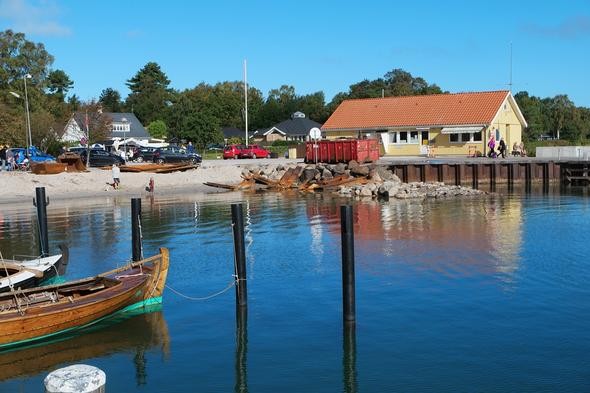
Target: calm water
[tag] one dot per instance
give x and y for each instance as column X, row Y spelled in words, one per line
column 471, row 295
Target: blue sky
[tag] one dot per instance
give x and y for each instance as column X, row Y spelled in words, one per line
column 315, row 45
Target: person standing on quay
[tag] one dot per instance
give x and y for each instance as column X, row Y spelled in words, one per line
column 502, row 148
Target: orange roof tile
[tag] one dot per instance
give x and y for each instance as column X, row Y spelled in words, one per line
column 414, row 111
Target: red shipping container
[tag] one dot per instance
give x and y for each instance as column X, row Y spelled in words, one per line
column 342, row 150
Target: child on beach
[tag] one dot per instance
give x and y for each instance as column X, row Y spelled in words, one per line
column 116, row 176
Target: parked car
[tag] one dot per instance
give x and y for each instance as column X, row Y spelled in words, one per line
column 100, row 157
column 143, row 154
column 232, row 151
column 254, row 151
column 214, row 147
column 175, row 154
column 34, row 154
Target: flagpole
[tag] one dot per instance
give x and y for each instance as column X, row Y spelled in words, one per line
column 87, row 141
column 246, row 100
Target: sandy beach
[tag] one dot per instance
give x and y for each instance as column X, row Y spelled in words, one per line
column 18, row 186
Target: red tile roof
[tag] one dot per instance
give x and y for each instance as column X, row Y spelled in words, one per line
column 414, row 111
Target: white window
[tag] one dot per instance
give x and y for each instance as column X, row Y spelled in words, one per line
column 404, row 137
column 465, row 137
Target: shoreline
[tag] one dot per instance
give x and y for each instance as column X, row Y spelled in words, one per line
column 19, row 187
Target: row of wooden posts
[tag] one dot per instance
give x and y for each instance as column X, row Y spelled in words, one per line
column 83, row 372
column 347, row 236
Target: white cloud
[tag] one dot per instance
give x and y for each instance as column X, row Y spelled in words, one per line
column 38, row 19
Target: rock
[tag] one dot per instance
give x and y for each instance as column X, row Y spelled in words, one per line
column 374, row 175
column 326, row 174
column 366, row 192
column 339, row 169
column 389, row 188
column 359, row 170
column 308, row 174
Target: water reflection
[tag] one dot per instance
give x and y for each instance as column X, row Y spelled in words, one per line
column 125, row 333
column 241, row 363
column 349, row 358
column 457, row 237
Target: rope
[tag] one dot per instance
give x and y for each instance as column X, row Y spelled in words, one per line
column 231, row 284
column 140, row 238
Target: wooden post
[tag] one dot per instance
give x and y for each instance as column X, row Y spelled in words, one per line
column 41, row 203
column 78, row 378
column 237, row 216
column 136, row 229
column 348, row 287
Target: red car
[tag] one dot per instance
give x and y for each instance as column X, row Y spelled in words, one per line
column 232, row 151
column 254, row 151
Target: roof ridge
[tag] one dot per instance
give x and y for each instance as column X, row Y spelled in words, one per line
column 428, row 95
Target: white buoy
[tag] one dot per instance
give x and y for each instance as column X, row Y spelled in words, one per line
column 78, row 378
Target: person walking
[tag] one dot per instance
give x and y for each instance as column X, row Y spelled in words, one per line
column 502, row 148
column 491, row 147
column 116, row 176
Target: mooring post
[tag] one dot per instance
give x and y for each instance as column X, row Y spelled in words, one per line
column 348, row 289
column 41, row 203
column 136, row 229
column 79, row 378
column 237, row 221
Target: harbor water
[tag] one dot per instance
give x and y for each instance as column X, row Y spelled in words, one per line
column 489, row 294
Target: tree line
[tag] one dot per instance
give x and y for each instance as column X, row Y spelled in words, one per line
column 199, row 113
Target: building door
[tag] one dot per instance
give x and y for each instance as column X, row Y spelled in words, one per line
column 424, row 143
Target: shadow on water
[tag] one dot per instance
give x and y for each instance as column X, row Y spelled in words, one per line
column 126, row 332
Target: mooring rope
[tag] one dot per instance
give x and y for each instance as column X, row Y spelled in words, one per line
column 231, row 284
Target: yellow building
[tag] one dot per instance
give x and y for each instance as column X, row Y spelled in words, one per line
column 441, row 124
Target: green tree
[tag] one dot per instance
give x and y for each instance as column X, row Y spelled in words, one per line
column 150, row 93
column 59, row 83
column 532, row 110
column 560, row 112
column 157, row 129
column 19, row 57
column 314, row 106
column 110, row 99
column 74, row 103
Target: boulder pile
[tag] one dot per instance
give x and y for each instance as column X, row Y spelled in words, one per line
column 352, row 179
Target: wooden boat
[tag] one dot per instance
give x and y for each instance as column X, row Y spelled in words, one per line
column 15, row 274
column 72, row 161
column 47, row 167
column 35, row 314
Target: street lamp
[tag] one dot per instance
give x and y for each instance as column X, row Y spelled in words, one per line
column 25, row 77
column 28, row 118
